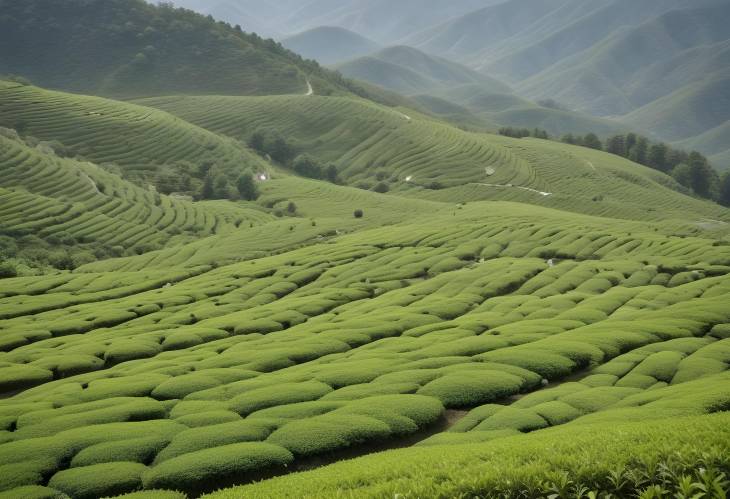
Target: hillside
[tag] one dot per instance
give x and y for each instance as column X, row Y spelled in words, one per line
column 417, row 156
column 229, row 272
column 265, row 365
column 144, row 50
column 143, row 145
column 654, row 49
column 330, row 45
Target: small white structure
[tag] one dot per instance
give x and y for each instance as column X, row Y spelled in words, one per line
column 409, row 178
column 551, row 263
column 262, row 177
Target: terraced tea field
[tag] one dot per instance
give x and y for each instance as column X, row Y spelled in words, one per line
column 191, row 377
column 419, row 157
column 142, row 142
column 553, row 319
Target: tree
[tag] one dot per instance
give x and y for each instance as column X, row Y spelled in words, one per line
column 247, row 187
column 724, row 194
column 257, row 141
column 359, row 213
column 331, row 174
column 307, row 166
column 658, row 157
column 222, row 187
column 616, row 145
column 591, row 140
column 638, row 152
column 291, row 208
column 681, row 173
column 630, row 142
column 7, row 269
column 699, row 174
column 568, row 139
column 278, row 148
column 382, row 188
column 208, row 190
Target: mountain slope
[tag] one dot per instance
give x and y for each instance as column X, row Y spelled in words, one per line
column 131, row 48
column 464, row 96
column 330, row 45
column 609, row 79
column 410, row 71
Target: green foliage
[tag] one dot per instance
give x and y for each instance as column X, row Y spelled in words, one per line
column 331, row 432
column 209, row 469
column 472, row 388
column 100, row 480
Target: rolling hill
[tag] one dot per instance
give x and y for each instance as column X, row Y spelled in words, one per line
column 418, row 156
column 128, row 48
column 330, row 45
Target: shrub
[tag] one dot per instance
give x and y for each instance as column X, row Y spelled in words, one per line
column 124, row 351
column 20, row 377
column 297, row 411
column 7, row 270
column 328, row 433
column 100, row 480
column 213, row 468
column 359, row 213
column 70, row 417
column 285, row 393
column 180, row 386
column 523, row 420
column 197, row 439
column 153, row 494
column 208, row 418
column 473, row 388
column 381, row 187
column 33, row 492
column 364, row 390
column 472, row 437
column 556, row 412
column 137, row 450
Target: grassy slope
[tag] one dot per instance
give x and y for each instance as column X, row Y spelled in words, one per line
column 366, row 141
column 144, row 143
column 47, row 196
column 330, row 45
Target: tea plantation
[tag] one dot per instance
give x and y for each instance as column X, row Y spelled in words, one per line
column 559, row 327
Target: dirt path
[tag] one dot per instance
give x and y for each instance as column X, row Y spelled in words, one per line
column 510, row 186
column 310, row 89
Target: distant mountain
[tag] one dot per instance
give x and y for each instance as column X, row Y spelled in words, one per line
column 410, row 71
column 662, row 63
column 462, row 95
column 384, row 21
column 330, row 45
column 634, row 67
column 131, row 48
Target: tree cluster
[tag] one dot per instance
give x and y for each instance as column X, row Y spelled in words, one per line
column 520, row 133
column 690, row 169
column 272, row 144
